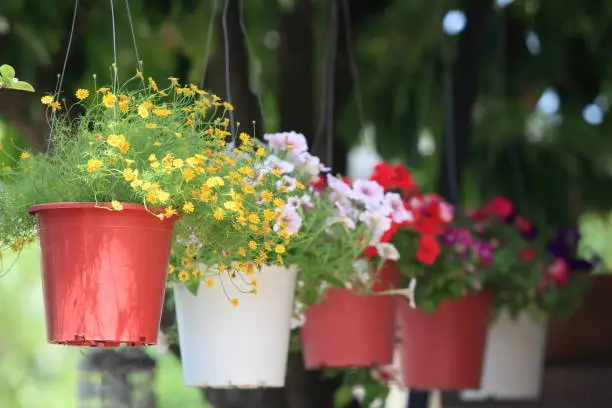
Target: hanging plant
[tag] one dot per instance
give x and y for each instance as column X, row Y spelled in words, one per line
column 107, row 197
column 255, row 300
column 334, row 226
column 352, row 326
column 528, row 271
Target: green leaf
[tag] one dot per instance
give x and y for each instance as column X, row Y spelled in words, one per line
column 7, row 71
column 343, row 397
column 21, row 86
column 193, row 286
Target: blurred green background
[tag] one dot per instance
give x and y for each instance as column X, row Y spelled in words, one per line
column 35, row 374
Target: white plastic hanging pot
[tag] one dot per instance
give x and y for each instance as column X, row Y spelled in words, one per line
column 244, row 346
column 514, row 360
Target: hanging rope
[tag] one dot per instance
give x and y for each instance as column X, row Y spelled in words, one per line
column 115, row 69
column 251, row 57
column 353, row 63
column 58, row 86
column 211, row 24
column 138, row 61
column 518, row 176
column 228, row 89
column 449, row 133
column 326, row 119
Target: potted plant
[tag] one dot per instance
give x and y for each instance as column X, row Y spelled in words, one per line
column 118, row 177
column 537, row 278
column 352, row 327
column 442, row 333
column 253, row 306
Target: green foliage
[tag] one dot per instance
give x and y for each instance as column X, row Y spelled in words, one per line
column 162, row 148
column 34, row 374
column 9, row 81
column 375, row 390
column 444, row 279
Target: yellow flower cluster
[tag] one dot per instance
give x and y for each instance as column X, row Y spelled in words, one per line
column 168, row 150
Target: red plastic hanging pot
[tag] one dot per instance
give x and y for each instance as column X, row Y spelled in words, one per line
column 444, row 350
column 350, row 330
column 103, row 273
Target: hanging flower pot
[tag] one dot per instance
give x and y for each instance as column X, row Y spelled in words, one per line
column 103, row 272
column 225, row 344
column 444, row 350
column 351, row 330
column 514, row 360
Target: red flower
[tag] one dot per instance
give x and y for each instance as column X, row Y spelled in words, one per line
column 476, row 215
column 320, row 184
column 432, row 214
column 429, row 249
column 527, row 254
column 499, row 206
column 391, row 177
column 523, row 225
column 558, row 272
column 388, row 235
column 428, row 225
column 370, row 252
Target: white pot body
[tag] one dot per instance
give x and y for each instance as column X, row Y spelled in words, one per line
column 246, row 346
column 514, row 360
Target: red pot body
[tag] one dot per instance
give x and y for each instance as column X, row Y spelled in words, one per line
column 444, row 350
column 349, row 330
column 103, row 273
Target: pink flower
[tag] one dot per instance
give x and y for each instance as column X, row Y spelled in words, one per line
column 558, row 272
column 276, row 163
column 340, row 187
column 368, row 192
column 289, row 220
column 307, row 165
column 377, row 224
column 399, row 213
column 292, row 142
column 288, row 182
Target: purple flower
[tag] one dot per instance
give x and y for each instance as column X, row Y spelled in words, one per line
column 484, row 251
column 460, row 239
column 565, row 243
column 580, row 266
